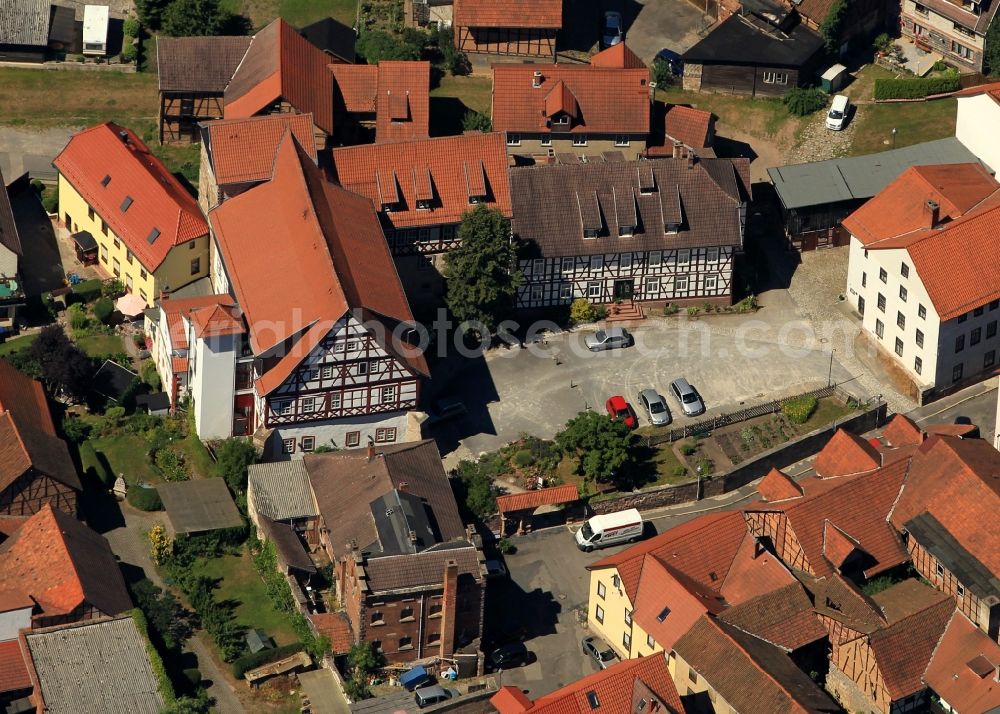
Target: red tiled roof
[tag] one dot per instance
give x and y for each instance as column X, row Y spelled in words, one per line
column 918, row 615
column 457, row 165
column 955, row 481
column 14, row 600
column 157, row 205
column 668, row 603
column 687, row 125
column 566, row 493
column 846, row 454
column 614, row 688
column 242, row 150
column 899, row 213
column 610, row 100
column 355, row 87
column 992, row 89
column 62, row 564
column 837, row 545
column 176, row 308
column 901, row 431
column 335, row 626
column 783, row 617
column 216, row 321
column 402, row 101
column 958, row 430
column 27, row 435
column 954, row 673
column 283, row 293
column 778, row 486
column 511, row 13
column 280, row 63
column 619, row 56
column 13, row 671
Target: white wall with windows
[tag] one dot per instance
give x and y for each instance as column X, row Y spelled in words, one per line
column 293, row 441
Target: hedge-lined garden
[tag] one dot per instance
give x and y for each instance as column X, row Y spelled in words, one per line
column 915, row 88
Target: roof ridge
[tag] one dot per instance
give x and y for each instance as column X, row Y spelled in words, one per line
column 17, row 433
column 760, row 668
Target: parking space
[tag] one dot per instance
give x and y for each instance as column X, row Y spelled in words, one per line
column 659, row 24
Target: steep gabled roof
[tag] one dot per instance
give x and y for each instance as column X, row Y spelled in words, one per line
column 355, row 87
column 460, row 166
column 778, row 486
column 612, row 689
column 9, row 237
column 198, row 64
column 846, row 454
column 902, row 431
column 281, row 63
column 334, row 38
column 687, row 125
column 243, row 150
column 783, row 617
column 546, row 14
column 618, row 56
column 132, row 190
column 62, row 564
column 402, row 101
column 962, row 670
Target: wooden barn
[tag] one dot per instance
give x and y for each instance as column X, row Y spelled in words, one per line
column 516, row 27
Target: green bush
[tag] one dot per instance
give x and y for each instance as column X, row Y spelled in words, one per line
column 103, row 309
column 78, row 319
column 171, row 465
column 244, row 664
column 802, row 101
column 131, row 27
column 112, row 288
column 799, row 409
column 129, row 50
column 88, row 290
column 76, row 430
column 688, row 449
column 582, row 311
column 149, row 375
column 476, row 121
column 145, row 499
column 523, row 458
column 915, row 88
column 680, row 471
column 883, row 42
column 50, row 199
column 705, row 466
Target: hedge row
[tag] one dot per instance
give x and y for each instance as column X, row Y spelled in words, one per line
column 799, row 409
column 244, row 664
column 916, row 88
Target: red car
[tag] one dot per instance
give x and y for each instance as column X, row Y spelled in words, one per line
column 618, row 408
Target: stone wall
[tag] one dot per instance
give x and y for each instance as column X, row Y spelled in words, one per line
column 779, row 457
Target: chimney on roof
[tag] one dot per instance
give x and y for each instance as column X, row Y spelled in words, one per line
column 677, row 150
column 403, row 486
column 371, row 451
column 690, row 160
column 123, row 135
column 932, row 213
column 536, row 79
column 413, row 536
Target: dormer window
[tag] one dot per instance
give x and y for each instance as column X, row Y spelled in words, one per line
column 388, row 207
column 626, row 231
column 671, row 228
column 561, row 120
column 590, row 232
column 106, row 180
column 423, row 204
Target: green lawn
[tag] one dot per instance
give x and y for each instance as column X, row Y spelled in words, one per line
column 17, row 343
column 127, row 454
column 666, row 462
column 827, row 410
column 242, row 584
column 101, row 345
column 915, row 122
column 758, row 117
column 456, row 95
column 296, row 12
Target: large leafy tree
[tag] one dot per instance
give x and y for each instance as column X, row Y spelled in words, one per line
column 378, row 45
column 604, row 445
column 991, row 51
column 63, row 365
column 151, row 12
column 187, row 18
column 233, row 458
column 482, row 273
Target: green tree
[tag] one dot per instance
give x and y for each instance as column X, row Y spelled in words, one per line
column 150, row 376
column 482, row 273
column 187, row 18
column 63, row 365
column 831, row 26
column 477, row 488
column 200, row 703
column 233, row 458
column 662, row 74
column 476, row 121
column 603, row 445
column 991, row 50
column 377, row 45
column 802, row 101
column 151, row 12
column 103, row 309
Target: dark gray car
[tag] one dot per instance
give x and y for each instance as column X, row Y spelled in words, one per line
column 655, row 406
column 609, row 339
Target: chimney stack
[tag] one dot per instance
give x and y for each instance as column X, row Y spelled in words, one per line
column 123, row 135
column 536, row 79
column 403, row 486
column 371, row 451
column 677, row 150
column 690, row 158
column 932, row 213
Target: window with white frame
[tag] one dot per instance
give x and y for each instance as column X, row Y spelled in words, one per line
column 384, row 435
column 961, row 50
column 683, row 256
column 579, row 140
column 546, row 140
column 599, row 614
column 602, row 591
column 775, row 77
column 621, row 140
column 712, row 255
column 513, row 139
column 536, row 293
column 711, row 282
column 652, row 285
column 308, row 405
column 593, row 289
column 681, row 283
column 566, row 291
column 335, row 400
column 596, row 263
column 625, row 260
column 361, row 368
column 288, row 446
column 308, row 443
column 327, row 371
column 655, row 258
column 568, row 264
column 538, row 266
column 388, row 394
column 283, row 407
column 352, row 438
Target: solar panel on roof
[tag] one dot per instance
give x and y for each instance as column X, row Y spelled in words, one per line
column 663, row 614
column 594, row 701
column 106, row 180
column 126, row 203
column 153, row 235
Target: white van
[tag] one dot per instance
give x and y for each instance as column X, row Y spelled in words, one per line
column 610, row 529
column 838, row 113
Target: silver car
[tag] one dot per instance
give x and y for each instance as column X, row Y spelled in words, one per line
column 599, row 651
column 689, row 399
column 655, row 406
column 609, row 339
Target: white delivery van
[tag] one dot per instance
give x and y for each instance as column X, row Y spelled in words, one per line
column 610, row 529
column 838, row 113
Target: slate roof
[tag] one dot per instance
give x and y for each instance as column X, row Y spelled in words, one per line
column 62, row 564
column 199, row 505
column 567, row 493
column 345, row 483
column 27, row 434
column 25, row 22
column 818, row 183
column 546, row 14
column 730, row 659
column 333, row 37
column 613, row 687
column 459, row 167
column 742, row 41
column 552, row 204
column 423, row 569
column 402, row 101
column 282, row 63
column 142, row 202
column 9, row 237
column 243, row 150
column 962, row 668
column 783, row 617
column 606, row 99
column 281, row 490
column 13, row 671
column 95, row 667
column 198, row 64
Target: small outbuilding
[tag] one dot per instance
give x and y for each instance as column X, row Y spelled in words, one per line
column 199, row 505
column 834, row 78
column 86, row 247
column 156, row 404
column 520, row 508
column 113, row 381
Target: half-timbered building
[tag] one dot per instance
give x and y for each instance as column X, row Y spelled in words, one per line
column 421, row 190
column 324, row 356
column 517, row 27
column 193, row 74
column 35, row 466
column 664, row 230
column 545, row 110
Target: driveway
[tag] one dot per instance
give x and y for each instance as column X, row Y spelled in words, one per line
column 651, row 25
column 31, row 150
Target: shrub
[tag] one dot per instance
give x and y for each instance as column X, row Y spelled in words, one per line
column 145, row 499
column 50, row 199
column 883, row 42
column 244, row 664
column 131, row 27
column 803, row 101
column 112, row 288
column 692, row 311
column 662, row 74
column 799, row 409
column 747, row 435
column 171, row 465
column 160, row 544
column 77, row 317
column 600, row 312
column 76, row 430
column 915, row 88
column 688, row 449
column 114, row 415
column 476, row 121
column 103, row 309
column 680, row 471
column 149, row 375
column 88, row 290
column 582, row 311
column 523, row 457
column 704, row 466
column 670, row 309
column 129, row 50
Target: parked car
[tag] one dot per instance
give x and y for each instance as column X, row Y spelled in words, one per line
column 687, row 396
column 619, row 409
column 673, row 59
column 495, row 569
column 446, row 409
column 609, row 339
column 612, row 33
column 655, row 406
column 434, row 694
column 837, row 116
column 599, row 651
column 510, row 655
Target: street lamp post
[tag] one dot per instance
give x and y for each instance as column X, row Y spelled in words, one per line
column 894, row 137
column 829, row 376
